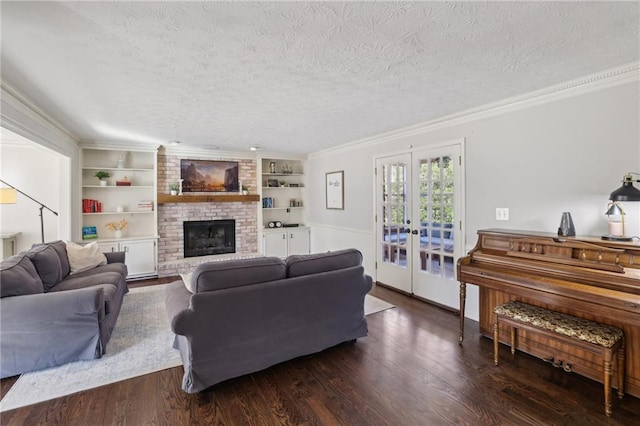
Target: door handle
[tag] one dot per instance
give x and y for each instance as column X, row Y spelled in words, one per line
column 414, row 232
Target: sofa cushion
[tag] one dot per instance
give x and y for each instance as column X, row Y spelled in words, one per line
column 235, row 273
column 83, row 257
column 61, row 248
column 120, row 268
column 305, row 264
column 107, row 280
column 47, row 263
column 19, row 277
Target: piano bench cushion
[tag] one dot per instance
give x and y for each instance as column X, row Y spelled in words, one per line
column 564, row 324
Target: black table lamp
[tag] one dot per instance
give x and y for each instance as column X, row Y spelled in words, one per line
column 615, row 211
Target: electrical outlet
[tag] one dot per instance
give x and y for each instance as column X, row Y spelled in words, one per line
column 502, row 213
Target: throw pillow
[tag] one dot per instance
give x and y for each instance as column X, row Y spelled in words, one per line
column 18, row 277
column 61, row 248
column 84, row 257
column 186, row 279
column 47, row 262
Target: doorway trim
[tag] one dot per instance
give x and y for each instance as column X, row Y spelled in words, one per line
column 411, row 150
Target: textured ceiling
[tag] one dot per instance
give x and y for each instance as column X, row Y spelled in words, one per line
column 295, row 77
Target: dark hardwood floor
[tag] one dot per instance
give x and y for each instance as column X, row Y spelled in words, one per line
column 409, row 370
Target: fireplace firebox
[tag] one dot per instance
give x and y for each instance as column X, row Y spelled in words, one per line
column 206, row 237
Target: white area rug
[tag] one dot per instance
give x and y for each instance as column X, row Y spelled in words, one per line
column 373, row 304
column 141, row 344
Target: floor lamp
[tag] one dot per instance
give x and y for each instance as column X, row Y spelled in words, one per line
column 9, row 196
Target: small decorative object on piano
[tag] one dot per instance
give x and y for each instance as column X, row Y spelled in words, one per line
column 566, row 228
column 123, row 182
column 145, row 205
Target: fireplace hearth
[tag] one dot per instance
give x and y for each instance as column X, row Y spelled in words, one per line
column 207, row 237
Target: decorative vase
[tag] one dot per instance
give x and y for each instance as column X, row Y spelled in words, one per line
column 173, row 192
column 103, row 182
column 118, row 233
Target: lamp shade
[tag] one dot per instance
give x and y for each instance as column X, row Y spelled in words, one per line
column 626, row 192
column 614, row 210
column 8, row 196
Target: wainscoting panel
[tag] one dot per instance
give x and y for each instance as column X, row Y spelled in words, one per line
column 325, row 238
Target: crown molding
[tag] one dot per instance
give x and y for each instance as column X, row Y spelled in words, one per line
column 119, row 145
column 206, row 152
column 624, row 74
column 21, row 116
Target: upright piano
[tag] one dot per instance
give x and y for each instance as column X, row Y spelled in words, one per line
column 583, row 276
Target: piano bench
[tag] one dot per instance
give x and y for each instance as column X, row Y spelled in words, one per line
column 597, row 338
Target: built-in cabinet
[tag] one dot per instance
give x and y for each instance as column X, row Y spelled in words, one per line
column 286, row 242
column 140, row 255
column 283, row 194
column 129, row 195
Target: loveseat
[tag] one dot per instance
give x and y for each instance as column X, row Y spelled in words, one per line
column 240, row 316
column 53, row 311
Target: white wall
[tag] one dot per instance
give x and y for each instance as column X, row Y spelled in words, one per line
column 21, row 117
column 539, row 160
column 37, row 172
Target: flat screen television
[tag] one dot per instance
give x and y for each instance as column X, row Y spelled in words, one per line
column 209, row 176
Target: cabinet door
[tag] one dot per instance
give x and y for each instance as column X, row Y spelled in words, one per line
column 298, row 241
column 109, row 247
column 140, row 257
column 275, row 244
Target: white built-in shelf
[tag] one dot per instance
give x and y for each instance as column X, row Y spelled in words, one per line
column 119, row 186
column 121, row 213
column 124, row 239
column 117, row 169
column 283, row 174
column 282, row 208
column 282, row 187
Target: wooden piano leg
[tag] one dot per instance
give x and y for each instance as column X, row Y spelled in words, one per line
column 496, row 343
column 513, row 340
column 621, row 361
column 463, row 300
column 607, row 383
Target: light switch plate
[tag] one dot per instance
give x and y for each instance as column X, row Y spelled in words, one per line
column 502, row 213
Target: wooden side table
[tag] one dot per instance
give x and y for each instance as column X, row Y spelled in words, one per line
column 9, row 244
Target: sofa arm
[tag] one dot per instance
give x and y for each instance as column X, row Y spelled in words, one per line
column 178, row 303
column 115, row 257
column 48, row 329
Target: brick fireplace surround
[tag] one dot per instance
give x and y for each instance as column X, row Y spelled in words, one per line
column 171, row 260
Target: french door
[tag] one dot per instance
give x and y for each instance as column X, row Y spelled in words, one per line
column 419, row 222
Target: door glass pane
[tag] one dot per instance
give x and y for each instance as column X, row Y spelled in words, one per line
column 436, row 217
column 394, row 212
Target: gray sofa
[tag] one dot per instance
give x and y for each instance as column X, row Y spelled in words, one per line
column 49, row 317
column 243, row 316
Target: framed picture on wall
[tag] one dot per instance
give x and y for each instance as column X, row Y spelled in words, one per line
column 335, row 190
column 209, row 176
